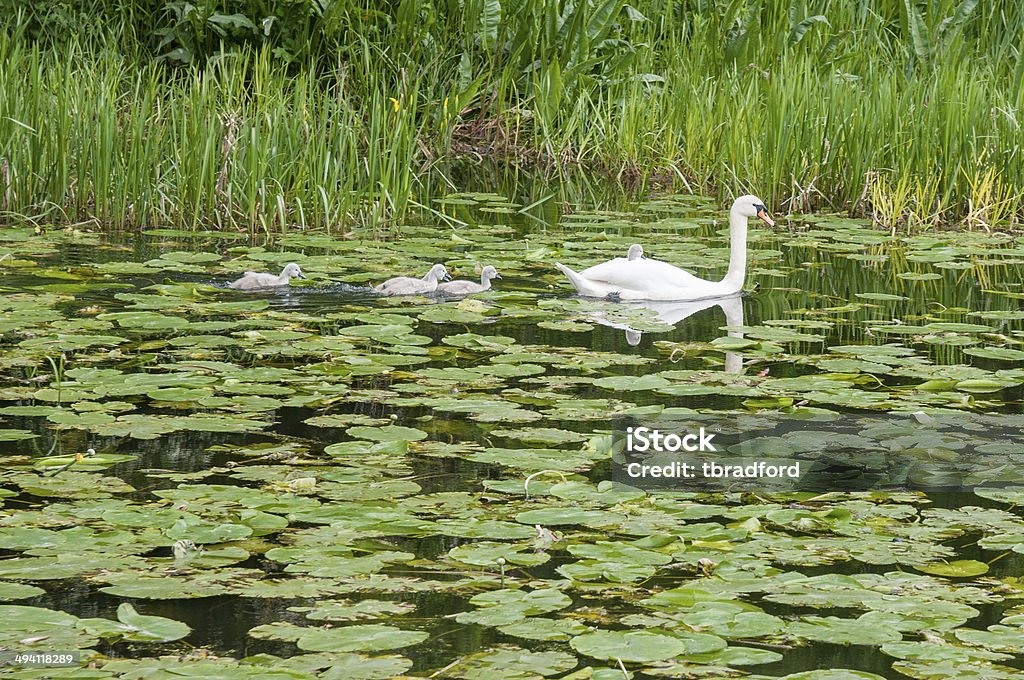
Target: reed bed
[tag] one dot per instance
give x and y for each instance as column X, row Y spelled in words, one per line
column 904, row 111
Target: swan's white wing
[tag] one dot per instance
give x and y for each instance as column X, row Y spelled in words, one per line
column 641, row 275
column 643, row 280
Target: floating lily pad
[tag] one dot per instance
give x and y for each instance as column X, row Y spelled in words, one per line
column 629, row 646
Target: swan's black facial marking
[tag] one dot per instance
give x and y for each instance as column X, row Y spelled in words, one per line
column 762, row 213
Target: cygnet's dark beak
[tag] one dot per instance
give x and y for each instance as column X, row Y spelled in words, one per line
column 446, row 277
column 497, row 275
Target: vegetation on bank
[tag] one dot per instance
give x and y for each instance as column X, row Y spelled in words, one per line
column 328, row 114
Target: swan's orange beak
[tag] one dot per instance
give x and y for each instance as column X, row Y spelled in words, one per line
column 764, row 216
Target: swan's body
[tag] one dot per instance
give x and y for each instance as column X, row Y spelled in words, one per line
column 408, row 285
column 467, row 287
column 648, row 279
column 254, row 280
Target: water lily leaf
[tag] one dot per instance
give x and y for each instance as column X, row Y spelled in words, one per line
column 21, row 618
column 955, row 569
column 631, row 382
column 18, row 591
column 514, row 663
column 359, row 667
column 832, row 674
column 684, row 598
column 167, row 587
column 998, row 638
column 597, row 570
column 388, row 433
column 557, row 516
column 733, row 344
column 625, row 553
column 842, row 631
column 981, row 385
column 999, row 353
column 880, row 297
column 542, row 435
column 361, row 638
column 629, row 646
column 64, row 565
column 731, row 620
column 538, row 628
column 141, row 628
column 735, row 656
column 486, row 343
column 81, row 464
column 493, row 529
column 147, row 321
column 346, row 610
column 487, row 554
column 32, row 628
column 933, row 650
column 529, row 603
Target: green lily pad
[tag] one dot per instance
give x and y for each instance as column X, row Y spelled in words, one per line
column 628, row 646
column 955, row 569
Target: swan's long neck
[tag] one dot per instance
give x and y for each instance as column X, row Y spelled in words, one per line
column 485, row 282
column 737, row 273
column 284, row 275
column 430, row 277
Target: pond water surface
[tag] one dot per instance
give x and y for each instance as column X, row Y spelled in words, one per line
column 352, row 467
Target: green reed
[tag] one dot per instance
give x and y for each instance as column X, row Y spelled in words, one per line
column 900, row 110
column 239, row 144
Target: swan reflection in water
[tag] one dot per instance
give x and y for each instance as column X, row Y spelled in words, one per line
column 672, row 313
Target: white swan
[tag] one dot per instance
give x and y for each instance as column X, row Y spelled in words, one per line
column 254, row 280
column 407, row 285
column 648, row 279
column 466, row 287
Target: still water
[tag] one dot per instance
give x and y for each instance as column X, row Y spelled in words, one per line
column 358, row 462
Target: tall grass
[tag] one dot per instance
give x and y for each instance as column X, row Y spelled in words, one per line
column 238, row 144
column 903, row 110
